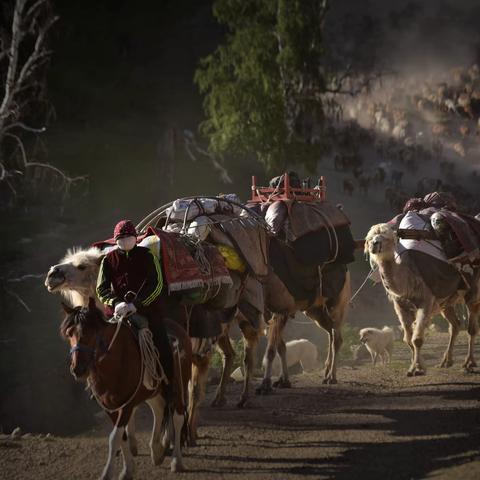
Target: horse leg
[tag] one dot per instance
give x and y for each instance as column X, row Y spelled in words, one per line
column 118, row 440
column 406, row 319
column 176, row 464
column 197, row 392
column 277, row 324
column 157, row 447
column 250, row 342
column 132, row 439
column 283, row 381
column 453, row 328
column 128, row 464
column 422, row 320
column 375, row 355
column 472, row 329
column 228, row 354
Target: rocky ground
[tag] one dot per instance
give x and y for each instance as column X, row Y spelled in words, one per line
column 376, row 423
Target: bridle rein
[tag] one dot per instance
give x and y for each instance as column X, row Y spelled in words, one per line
column 100, row 348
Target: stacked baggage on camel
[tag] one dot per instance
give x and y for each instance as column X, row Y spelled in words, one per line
column 311, row 236
column 433, row 227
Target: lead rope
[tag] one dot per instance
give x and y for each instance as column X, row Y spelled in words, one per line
column 369, row 274
column 151, row 359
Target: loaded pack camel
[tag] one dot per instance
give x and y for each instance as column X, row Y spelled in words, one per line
column 413, row 300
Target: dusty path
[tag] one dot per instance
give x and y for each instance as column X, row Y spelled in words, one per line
column 374, row 424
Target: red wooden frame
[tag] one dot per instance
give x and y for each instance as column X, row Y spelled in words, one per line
column 286, row 192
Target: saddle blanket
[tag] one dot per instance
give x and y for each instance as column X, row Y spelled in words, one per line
column 181, row 270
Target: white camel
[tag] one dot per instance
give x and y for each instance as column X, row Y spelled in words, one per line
column 414, row 302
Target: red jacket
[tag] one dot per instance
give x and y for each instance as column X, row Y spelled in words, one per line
column 137, row 271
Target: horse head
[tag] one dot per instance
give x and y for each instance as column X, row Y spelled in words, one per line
column 81, row 329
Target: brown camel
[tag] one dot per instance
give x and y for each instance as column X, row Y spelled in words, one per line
column 328, row 312
column 415, row 303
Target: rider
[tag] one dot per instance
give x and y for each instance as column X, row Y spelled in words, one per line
column 135, row 271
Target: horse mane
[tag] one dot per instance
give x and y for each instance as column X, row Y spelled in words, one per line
column 81, row 317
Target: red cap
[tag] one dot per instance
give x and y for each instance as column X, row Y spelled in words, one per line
column 124, row 228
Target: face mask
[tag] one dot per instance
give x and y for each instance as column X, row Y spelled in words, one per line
column 126, row 243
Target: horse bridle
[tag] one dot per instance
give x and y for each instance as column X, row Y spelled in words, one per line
column 100, row 348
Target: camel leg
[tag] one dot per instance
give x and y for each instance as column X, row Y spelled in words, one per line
column 176, row 464
column 283, row 380
column 332, row 322
column 250, row 339
column 406, row 319
column 337, row 314
column 157, row 447
column 132, row 439
column 422, row 319
column 324, row 320
column 228, row 354
column 453, row 328
column 472, row 329
column 197, row 392
column 275, row 330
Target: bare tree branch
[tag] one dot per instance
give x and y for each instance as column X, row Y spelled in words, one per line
column 24, row 127
column 20, row 146
column 19, row 299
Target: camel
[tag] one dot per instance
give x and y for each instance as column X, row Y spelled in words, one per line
column 328, row 312
column 415, row 303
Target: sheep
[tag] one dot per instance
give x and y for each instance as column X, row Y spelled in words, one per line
column 298, row 351
column 378, row 343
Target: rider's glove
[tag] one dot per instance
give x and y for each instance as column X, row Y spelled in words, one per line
column 121, row 309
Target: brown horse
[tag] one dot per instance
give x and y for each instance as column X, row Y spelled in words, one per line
column 107, row 355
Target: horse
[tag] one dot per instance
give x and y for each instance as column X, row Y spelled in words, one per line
column 107, row 356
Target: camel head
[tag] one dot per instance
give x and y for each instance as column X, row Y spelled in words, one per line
column 75, row 277
column 380, row 242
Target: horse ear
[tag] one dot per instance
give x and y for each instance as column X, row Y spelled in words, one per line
column 67, row 309
column 92, row 305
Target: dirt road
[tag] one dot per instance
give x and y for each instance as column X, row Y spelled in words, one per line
column 376, row 423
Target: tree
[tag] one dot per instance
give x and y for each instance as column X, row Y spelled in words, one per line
column 24, row 58
column 263, row 88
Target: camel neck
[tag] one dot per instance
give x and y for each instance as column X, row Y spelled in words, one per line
column 388, row 272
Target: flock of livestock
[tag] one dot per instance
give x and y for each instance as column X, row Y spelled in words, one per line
column 423, row 132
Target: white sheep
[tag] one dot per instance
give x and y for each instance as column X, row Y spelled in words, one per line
column 298, row 351
column 378, row 342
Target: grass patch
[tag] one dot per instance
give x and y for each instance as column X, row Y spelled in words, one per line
column 350, row 338
column 217, row 358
